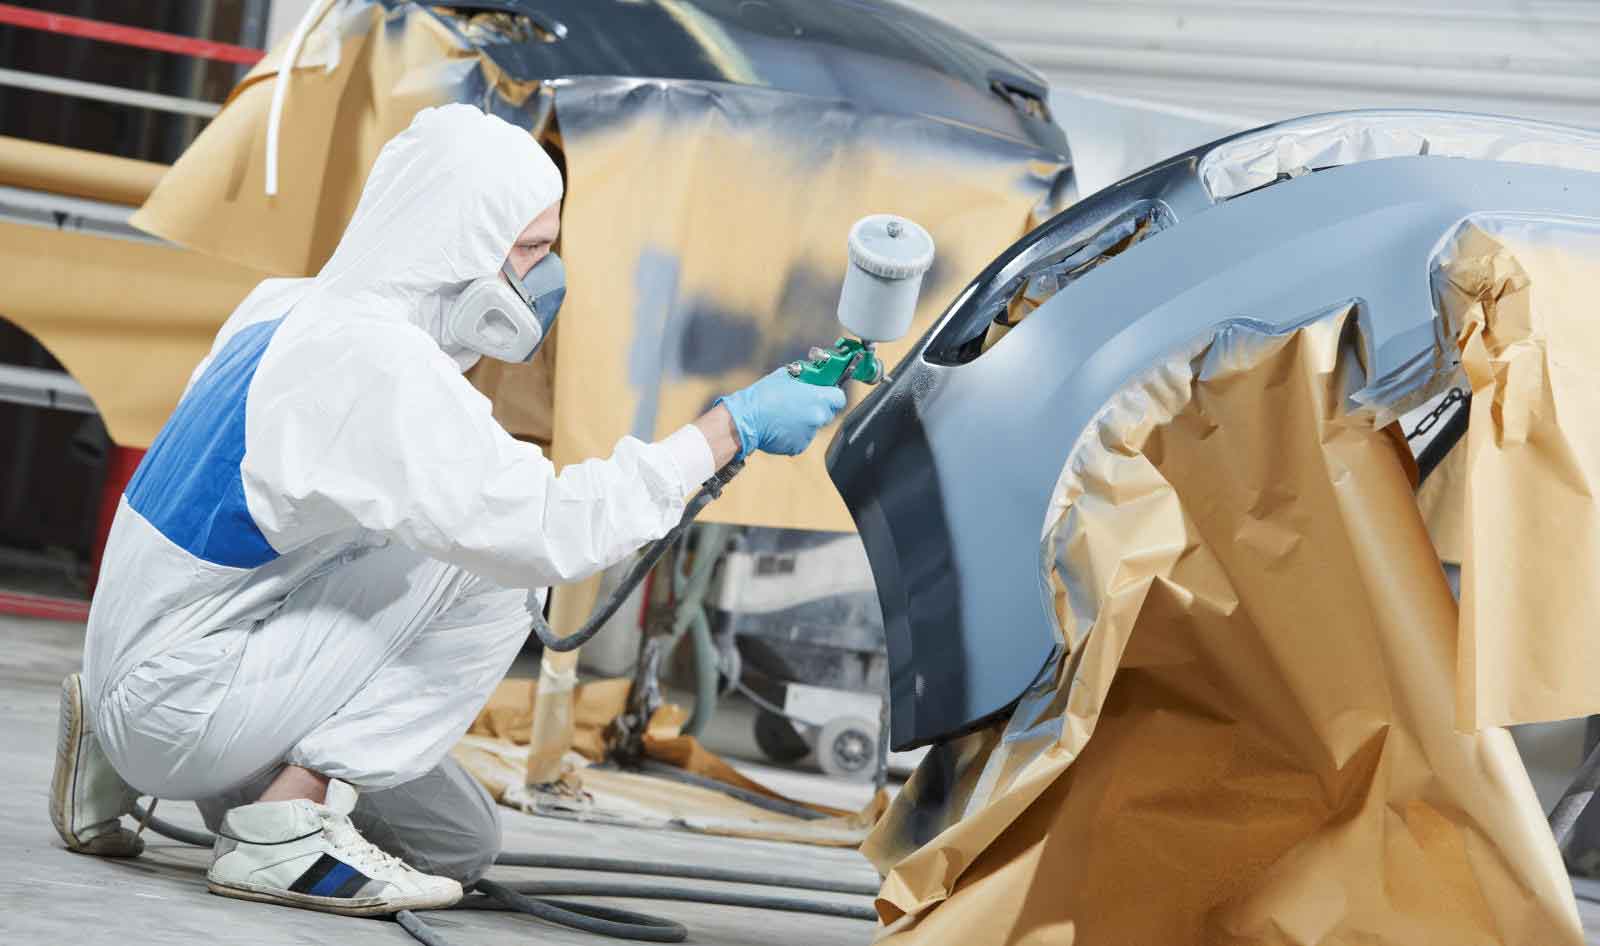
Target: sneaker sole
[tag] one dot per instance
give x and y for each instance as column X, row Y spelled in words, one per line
column 365, row 906
column 63, row 780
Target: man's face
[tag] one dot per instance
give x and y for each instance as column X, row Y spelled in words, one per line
column 534, row 242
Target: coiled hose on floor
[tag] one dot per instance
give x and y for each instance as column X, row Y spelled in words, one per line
column 530, row 896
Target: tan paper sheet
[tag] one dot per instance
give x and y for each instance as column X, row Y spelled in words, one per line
column 34, row 165
column 108, row 311
column 1250, row 736
column 1520, row 298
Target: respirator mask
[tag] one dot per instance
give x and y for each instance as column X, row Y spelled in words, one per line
column 507, row 318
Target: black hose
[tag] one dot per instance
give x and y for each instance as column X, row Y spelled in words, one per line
column 607, row 921
column 169, row 830
column 652, row 553
column 419, row 930
column 754, row 799
column 578, row 888
column 637, row 572
column 617, row 865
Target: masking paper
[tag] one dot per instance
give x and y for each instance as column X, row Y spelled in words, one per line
column 1519, row 298
column 1442, row 502
column 71, row 172
column 1249, row 735
column 128, row 319
column 362, row 78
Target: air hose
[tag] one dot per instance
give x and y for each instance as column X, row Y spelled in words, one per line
column 529, row 896
column 647, row 559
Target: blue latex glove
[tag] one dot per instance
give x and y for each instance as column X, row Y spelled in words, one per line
column 779, row 414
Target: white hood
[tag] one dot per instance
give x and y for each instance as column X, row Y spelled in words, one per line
column 442, row 206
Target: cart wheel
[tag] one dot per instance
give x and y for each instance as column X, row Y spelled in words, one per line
column 848, row 748
column 777, row 739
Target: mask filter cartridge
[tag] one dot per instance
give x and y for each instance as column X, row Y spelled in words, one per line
column 507, row 318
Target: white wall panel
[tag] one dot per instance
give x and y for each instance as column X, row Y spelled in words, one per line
column 1270, row 59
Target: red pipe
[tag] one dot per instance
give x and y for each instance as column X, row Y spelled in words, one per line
column 40, row 606
column 12, row 15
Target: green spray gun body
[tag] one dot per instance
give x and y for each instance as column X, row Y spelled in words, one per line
column 849, row 359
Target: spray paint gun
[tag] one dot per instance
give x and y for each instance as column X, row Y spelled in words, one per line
column 888, row 257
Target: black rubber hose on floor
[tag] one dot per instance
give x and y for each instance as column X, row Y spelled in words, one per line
column 755, row 901
column 617, row 865
column 754, row 799
column 169, row 830
column 606, row 921
column 419, row 930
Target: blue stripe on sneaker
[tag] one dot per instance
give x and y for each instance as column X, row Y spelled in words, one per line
column 333, row 880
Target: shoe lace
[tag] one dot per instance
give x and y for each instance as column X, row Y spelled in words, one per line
column 362, row 853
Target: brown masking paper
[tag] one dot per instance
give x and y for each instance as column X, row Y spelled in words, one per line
column 1520, row 300
column 108, row 310
column 362, row 77
column 71, row 172
column 1442, row 502
column 1249, row 735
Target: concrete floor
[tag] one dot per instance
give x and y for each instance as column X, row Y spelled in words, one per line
column 48, row 895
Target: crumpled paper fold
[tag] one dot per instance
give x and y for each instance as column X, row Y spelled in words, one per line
column 1249, row 735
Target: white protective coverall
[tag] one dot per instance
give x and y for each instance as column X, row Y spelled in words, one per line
column 324, row 557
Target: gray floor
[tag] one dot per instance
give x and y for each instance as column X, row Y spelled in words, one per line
column 50, row 896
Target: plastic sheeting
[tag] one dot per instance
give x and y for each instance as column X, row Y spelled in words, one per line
column 1249, row 734
column 1320, row 141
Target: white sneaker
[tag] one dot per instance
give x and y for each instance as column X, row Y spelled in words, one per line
column 302, row 854
column 87, row 796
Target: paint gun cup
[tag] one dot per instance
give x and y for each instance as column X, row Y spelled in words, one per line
column 888, row 257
